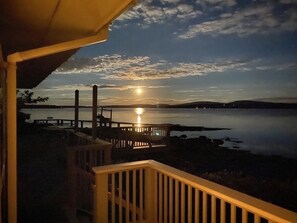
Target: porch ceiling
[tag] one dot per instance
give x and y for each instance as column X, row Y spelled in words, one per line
column 31, row 24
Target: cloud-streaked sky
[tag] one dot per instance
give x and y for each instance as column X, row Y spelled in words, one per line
column 180, row 51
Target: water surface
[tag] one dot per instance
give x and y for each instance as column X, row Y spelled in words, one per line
column 264, row 131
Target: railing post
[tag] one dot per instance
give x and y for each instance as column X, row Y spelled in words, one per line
column 150, row 195
column 72, row 190
column 95, row 216
column 167, row 130
column 149, row 136
column 101, row 199
column 11, row 121
column 133, row 135
column 107, row 155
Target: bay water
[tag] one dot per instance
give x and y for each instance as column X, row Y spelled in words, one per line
column 261, row 131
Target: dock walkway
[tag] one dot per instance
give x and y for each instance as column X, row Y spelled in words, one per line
column 121, row 134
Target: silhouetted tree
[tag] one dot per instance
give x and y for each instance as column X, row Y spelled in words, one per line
column 26, row 98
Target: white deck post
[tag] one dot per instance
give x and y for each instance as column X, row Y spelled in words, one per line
column 101, row 201
column 150, row 195
column 12, row 142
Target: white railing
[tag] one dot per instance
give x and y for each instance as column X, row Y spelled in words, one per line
column 148, row 191
column 83, row 154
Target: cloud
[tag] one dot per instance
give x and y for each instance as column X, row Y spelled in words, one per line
column 290, row 24
column 278, row 67
column 213, row 17
column 260, row 19
column 288, row 1
column 88, row 87
column 136, row 68
column 180, row 70
column 185, row 8
column 190, row 91
column 102, row 64
column 186, row 11
column 117, row 67
column 146, row 13
column 170, row 1
column 218, row 3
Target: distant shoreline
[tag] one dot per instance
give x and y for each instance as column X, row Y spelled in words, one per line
column 245, row 104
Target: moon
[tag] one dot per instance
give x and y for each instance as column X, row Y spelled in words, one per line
column 138, row 90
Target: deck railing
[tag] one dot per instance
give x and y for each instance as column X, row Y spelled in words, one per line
column 83, row 154
column 148, row 191
column 140, row 136
column 63, row 122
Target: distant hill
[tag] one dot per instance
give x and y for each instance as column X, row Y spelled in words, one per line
column 209, row 104
column 236, row 104
column 198, row 105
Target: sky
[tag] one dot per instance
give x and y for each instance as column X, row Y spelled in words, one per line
column 180, row 51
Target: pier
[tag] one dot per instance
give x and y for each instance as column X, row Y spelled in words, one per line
column 122, row 135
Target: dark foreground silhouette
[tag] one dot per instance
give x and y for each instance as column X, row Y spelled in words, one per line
column 42, row 171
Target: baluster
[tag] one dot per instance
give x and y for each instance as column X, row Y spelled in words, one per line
column 257, row 218
column 182, row 202
column 190, row 204
column 165, row 198
column 170, row 200
column 244, row 216
column 233, row 213
column 223, row 211
column 127, row 196
column 160, row 197
column 176, row 201
column 197, row 202
column 134, row 196
column 113, row 197
column 141, row 195
column 213, row 209
column 121, row 197
column 204, row 207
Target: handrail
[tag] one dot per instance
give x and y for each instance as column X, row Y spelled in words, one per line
column 246, row 202
column 122, row 167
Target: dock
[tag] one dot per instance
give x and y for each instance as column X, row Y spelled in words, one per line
column 122, row 135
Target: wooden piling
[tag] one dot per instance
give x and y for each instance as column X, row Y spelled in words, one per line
column 76, row 111
column 94, row 117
